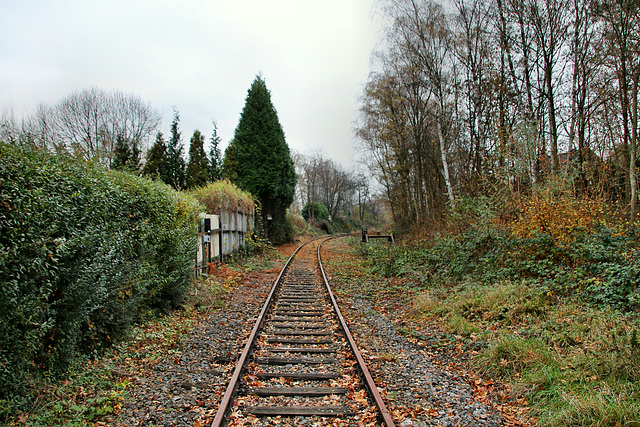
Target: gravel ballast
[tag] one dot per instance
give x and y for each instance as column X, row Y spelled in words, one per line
column 185, row 388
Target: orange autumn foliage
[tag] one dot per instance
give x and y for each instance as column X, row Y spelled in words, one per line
column 562, row 217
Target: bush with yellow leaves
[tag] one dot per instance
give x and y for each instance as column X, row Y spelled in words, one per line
column 563, row 217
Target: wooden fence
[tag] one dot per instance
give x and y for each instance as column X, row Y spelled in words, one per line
column 221, row 235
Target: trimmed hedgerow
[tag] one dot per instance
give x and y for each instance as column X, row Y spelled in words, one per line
column 84, row 253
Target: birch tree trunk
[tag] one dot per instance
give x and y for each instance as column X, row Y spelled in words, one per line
column 633, row 178
column 445, row 164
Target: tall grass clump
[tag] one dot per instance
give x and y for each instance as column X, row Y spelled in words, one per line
column 224, row 196
column 84, row 253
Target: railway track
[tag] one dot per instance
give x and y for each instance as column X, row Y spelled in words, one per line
column 300, row 364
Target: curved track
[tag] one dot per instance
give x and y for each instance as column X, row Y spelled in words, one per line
column 300, row 364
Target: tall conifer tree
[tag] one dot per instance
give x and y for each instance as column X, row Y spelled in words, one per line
column 173, row 170
column 155, row 158
column 230, row 163
column 215, row 159
column 265, row 168
column 197, row 168
column 121, row 154
column 125, row 156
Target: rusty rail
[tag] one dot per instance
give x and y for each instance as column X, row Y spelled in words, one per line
column 233, row 383
column 370, row 383
column 261, row 323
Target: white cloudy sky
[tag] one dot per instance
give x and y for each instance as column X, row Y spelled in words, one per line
column 200, row 56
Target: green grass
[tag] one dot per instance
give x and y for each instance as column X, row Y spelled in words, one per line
column 458, row 325
column 510, row 356
column 576, row 364
column 599, row 407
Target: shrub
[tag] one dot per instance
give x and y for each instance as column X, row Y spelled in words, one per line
column 300, row 227
column 281, row 232
column 84, row 252
column 315, row 210
column 224, row 196
column 563, row 246
column 345, row 225
column 561, row 217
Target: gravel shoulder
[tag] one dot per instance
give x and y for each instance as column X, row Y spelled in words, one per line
column 185, row 388
column 425, row 380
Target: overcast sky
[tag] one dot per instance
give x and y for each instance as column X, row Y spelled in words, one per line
column 200, row 56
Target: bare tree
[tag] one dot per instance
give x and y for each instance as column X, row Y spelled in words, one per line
column 131, row 118
column 621, row 32
column 383, row 135
column 474, row 51
column 408, row 116
column 548, row 20
column 508, row 90
column 322, row 180
column 424, row 40
column 585, row 94
column 308, row 177
column 89, row 122
column 336, row 187
column 9, row 129
column 364, row 195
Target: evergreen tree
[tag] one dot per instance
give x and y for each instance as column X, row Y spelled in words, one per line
column 230, row 163
column 265, row 168
column 121, row 154
column 125, row 156
column 197, row 168
column 173, row 168
column 215, row 160
column 155, row 158
column 134, row 161
column 315, row 210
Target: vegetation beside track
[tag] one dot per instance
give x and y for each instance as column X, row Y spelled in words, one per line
column 93, row 392
column 85, row 253
column 546, row 303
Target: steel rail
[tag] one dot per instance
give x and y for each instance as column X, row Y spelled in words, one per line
column 370, row 383
column 227, row 399
column 225, row 404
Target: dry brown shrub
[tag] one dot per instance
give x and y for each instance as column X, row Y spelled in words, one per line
column 224, row 196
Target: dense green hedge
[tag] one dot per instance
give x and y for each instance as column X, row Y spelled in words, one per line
column 84, row 252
